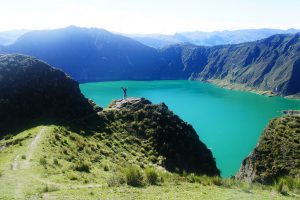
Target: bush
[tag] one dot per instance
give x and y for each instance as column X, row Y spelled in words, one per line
column 49, row 188
column 134, row 176
column 43, row 162
column 72, row 176
column 83, row 167
column 115, row 180
column 216, row 180
column 23, row 157
column 151, row 176
column 55, row 162
column 192, row 178
column 279, row 186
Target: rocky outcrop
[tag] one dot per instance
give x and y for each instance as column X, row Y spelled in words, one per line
column 168, row 135
column 31, row 90
column 276, row 154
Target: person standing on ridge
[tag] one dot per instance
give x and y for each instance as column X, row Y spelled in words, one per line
column 124, row 92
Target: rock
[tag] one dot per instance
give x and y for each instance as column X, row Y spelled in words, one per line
column 276, row 154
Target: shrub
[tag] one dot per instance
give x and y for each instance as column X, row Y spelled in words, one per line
column 23, row 157
column 72, row 176
column 106, row 167
column 83, row 166
column 134, row 176
column 55, row 162
column 43, row 162
column 49, row 188
column 216, row 180
column 151, row 176
column 115, row 180
column 192, row 178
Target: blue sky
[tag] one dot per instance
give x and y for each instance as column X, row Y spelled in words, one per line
column 154, row 16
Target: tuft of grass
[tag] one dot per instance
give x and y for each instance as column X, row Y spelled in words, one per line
column 23, row 157
column 43, row 162
column 279, row 186
column 151, row 176
column 49, row 188
column 216, row 180
column 134, row 176
column 72, row 176
column 83, row 166
column 55, row 162
column 116, row 179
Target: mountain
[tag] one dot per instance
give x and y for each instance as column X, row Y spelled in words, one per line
column 277, row 153
column 9, row 37
column 269, row 66
column 32, row 91
column 90, row 54
column 208, row 38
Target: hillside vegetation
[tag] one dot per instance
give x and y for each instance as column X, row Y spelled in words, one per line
column 277, row 153
column 52, row 162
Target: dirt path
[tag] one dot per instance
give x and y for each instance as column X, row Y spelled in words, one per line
column 19, row 164
column 32, row 147
column 15, row 164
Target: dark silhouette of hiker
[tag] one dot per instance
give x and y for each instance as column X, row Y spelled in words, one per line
column 124, row 92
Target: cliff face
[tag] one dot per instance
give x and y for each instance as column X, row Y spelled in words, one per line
column 31, row 90
column 165, row 133
column 276, row 154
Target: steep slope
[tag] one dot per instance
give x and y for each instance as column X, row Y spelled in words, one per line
column 277, row 153
column 167, row 135
column 31, row 90
column 90, row 54
column 271, row 64
column 209, row 38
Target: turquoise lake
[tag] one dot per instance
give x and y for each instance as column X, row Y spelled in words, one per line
column 229, row 122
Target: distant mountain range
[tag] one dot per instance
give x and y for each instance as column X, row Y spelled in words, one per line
column 208, row 38
column 271, row 64
column 9, row 37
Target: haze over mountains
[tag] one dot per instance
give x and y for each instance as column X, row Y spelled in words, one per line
column 270, row 64
column 208, row 38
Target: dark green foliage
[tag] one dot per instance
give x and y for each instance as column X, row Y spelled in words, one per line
column 277, row 154
column 23, row 157
column 82, row 166
column 43, row 162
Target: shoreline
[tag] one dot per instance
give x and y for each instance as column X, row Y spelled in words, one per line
column 241, row 87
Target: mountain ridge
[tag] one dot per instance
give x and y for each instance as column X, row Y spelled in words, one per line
column 269, row 66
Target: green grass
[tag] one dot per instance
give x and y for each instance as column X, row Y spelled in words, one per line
column 67, row 165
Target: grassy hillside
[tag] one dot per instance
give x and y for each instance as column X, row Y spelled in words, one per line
column 277, row 153
column 52, row 162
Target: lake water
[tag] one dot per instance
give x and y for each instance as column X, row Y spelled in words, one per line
column 228, row 122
